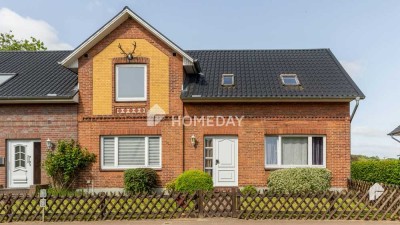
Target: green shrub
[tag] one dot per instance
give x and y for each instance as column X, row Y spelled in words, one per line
column 170, row 186
column 299, row 180
column 191, row 181
column 381, row 171
column 65, row 162
column 249, row 190
column 140, row 180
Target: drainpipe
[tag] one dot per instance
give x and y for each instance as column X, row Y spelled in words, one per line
column 355, row 108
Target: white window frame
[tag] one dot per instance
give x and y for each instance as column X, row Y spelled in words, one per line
column 228, row 75
column 130, row 99
column 309, row 153
column 116, row 166
column 290, row 75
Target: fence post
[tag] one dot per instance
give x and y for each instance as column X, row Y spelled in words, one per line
column 234, row 202
column 200, row 201
column 102, row 204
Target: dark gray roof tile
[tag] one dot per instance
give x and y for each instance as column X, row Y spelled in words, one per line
column 257, row 74
column 37, row 75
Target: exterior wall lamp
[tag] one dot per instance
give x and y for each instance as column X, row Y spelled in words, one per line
column 49, row 144
column 193, row 140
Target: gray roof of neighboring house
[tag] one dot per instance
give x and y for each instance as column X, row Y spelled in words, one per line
column 395, row 131
column 38, row 75
column 257, row 75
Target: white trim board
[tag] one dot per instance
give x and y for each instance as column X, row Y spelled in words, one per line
column 70, row 60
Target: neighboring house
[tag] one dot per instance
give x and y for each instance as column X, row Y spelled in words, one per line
column 237, row 114
column 395, row 132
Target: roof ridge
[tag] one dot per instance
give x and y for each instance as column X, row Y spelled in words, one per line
column 300, row 49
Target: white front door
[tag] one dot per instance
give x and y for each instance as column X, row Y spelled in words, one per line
column 20, row 163
column 225, row 161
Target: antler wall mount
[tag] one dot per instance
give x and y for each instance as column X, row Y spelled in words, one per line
column 129, row 55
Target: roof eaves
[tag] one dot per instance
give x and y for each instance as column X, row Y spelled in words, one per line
column 353, row 84
column 395, row 132
column 268, row 99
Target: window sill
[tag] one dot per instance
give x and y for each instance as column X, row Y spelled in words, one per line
column 127, row 168
column 130, row 100
column 276, row 167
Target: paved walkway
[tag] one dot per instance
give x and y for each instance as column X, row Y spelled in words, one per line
column 215, row 221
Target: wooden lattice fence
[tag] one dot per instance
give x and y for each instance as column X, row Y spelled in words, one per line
column 353, row 204
column 389, row 199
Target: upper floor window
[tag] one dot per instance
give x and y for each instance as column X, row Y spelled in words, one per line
column 5, row 77
column 290, row 79
column 228, row 79
column 295, row 151
column 131, row 82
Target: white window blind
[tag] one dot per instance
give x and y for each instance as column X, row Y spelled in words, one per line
column 154, row 151
column 108, row 152
column 131, row 152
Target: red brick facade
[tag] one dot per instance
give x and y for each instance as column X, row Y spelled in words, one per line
column 330, row 119
column 36, row 122
column 260, row 119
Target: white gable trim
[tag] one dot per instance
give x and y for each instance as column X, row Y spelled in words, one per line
column 69, row 61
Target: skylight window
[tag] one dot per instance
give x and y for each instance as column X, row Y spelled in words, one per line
column 228, row 79
column 5, row 77
column 290, row 79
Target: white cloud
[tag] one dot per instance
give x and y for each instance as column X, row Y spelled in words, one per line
column 26, row 27
column 353, row 68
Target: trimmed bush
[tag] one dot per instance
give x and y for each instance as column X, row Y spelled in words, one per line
column 299, row 180
column 191, row 181
column 377, row 171
column 140, row 180
column 248, row 190
column 170, row 186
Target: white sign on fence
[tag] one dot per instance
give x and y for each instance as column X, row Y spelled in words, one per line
column 42, row 202
column 375, row 191
column 43, row 193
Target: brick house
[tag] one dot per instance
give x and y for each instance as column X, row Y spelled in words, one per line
column 236, row 114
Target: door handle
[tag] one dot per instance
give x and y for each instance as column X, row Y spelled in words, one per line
column 29, row 160
column 217, row 162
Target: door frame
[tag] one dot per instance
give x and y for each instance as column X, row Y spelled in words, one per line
column 214, row 170
column 9, row 165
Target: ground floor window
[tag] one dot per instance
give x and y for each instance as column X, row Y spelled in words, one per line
column 130, row 152
column 295, row 151
column 208, row 156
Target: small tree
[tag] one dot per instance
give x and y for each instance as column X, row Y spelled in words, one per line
column 8, row 42
column 64, row 164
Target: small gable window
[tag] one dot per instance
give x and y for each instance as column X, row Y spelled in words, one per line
column 131, row 82
column 290, row 79
column 228, row 79
column 5, row 77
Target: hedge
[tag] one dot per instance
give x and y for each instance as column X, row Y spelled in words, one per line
column 377, row 171
column 140, row 180
column 191, row 181
column 299, row 180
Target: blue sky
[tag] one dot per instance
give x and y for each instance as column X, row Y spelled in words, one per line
column 364, row 36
